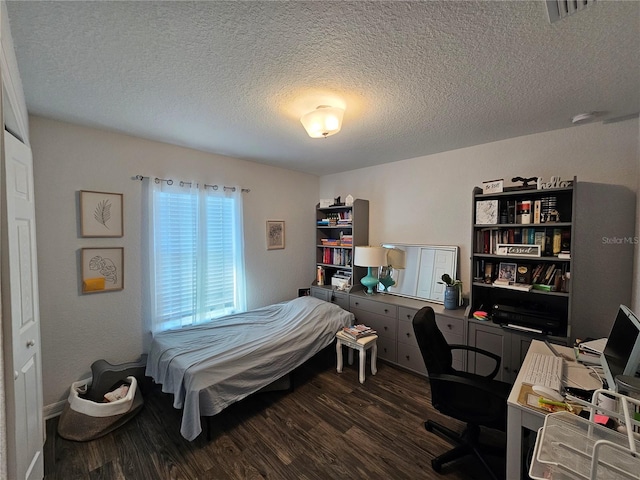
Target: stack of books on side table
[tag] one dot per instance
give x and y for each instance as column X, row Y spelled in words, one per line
column 358, row 331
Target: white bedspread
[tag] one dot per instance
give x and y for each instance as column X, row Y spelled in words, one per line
column 210, row 366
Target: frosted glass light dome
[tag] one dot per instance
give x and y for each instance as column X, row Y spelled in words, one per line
column 324, row 121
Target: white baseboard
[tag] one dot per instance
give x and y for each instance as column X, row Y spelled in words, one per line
column 53, row 410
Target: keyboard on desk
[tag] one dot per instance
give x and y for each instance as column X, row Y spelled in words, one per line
column 544, row 370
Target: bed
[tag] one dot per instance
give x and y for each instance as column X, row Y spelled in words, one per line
column 208, row 367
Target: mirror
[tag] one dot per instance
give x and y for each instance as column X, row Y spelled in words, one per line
column 423, row 265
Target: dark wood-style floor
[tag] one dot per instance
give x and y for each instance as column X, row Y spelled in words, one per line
column 329, row 427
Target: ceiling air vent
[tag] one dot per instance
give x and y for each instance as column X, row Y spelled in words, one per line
column 558, row 9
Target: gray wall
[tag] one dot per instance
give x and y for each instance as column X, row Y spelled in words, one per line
column 428, row 199
column 79, row 329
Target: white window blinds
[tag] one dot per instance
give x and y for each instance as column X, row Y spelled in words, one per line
column 195, row 254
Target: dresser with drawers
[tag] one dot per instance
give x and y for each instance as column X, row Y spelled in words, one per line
column 391, row 317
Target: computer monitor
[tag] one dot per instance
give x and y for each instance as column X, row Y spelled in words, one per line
column 621, row 354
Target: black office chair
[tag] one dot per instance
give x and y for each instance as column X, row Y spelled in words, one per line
column 474, row 399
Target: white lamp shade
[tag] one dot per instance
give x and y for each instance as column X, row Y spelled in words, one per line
column 370, row 256
column 396, row 258
column 324, row 121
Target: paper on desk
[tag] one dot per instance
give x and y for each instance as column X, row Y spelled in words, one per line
column 579, row 376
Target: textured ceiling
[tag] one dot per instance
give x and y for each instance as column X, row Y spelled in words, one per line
column 416, row 77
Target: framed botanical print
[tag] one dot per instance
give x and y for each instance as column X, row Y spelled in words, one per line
column 275, row 234
column 102, row 269
column 101, row 214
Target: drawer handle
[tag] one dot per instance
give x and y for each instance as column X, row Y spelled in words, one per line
column 386, row 311
column 357, row 303
column 408, row 357
column 386, row 328
column 449, row 326
column 385, row 350
column 408, row 335
column 408, row 316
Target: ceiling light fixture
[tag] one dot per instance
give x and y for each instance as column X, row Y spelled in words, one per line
column 324, row 121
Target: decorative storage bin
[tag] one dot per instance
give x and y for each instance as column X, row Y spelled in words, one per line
column 83, row 419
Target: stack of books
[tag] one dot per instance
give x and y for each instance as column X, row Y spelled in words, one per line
column 358, row 331
column 346, row 240
column 525, row 287
column 330, row 242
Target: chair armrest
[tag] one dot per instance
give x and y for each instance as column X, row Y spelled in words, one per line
column 486, row 353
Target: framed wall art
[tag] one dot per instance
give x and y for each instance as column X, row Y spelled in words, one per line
column 101, row 214
column 275, row 234
column 102, row 269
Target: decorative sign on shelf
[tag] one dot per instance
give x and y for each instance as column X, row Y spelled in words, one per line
column 555, row 182
column 518, row 250
column 492, row 186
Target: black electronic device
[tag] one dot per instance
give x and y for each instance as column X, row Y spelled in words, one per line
column 526, row 319
column 621, row 355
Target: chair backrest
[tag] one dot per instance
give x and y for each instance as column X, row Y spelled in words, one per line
column 433, row 346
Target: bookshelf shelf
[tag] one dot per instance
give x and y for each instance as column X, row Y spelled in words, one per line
column 517, row 225
column 519, row 258
column 532, row 291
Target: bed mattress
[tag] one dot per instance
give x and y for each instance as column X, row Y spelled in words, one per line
column 207, row 367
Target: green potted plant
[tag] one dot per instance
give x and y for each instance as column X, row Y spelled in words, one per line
column 452, row 292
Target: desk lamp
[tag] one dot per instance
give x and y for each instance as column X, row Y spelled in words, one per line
column 370, row 257
column 396, row 259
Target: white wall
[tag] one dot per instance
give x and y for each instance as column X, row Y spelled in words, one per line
column 79, row 329
column 428, row 199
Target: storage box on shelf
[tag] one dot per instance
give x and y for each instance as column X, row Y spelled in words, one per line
column 338, row 229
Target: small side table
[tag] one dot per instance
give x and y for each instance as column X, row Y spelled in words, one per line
column 362, row 345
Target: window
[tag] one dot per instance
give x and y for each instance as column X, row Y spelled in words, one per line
column 196, row 262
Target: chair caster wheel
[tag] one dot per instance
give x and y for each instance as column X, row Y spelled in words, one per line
column 436, row 466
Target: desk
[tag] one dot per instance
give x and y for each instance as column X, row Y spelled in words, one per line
column 519, row 416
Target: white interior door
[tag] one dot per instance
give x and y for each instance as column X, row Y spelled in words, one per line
column 25, row 427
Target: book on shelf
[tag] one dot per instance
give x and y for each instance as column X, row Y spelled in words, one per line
column 524, row 212
column 537, row 210
column 564, row 255
column 358, row 331
column 524, row 287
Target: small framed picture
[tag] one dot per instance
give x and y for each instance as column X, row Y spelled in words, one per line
column 487, row 212
column 507, row 271
column 102, row 269
column 101, row 214
column 275, row 234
